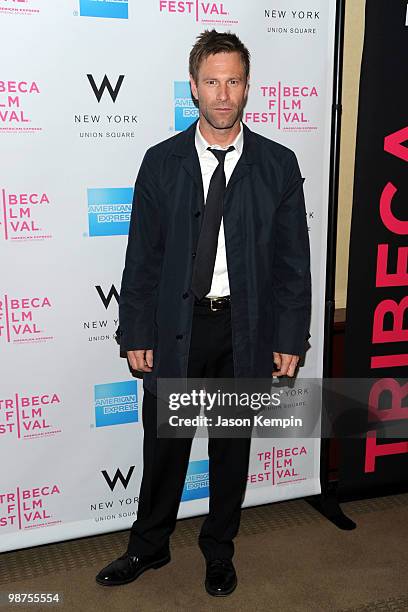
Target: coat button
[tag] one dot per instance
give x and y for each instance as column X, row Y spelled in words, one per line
column 193, row 255
column 197, row 214
column 179, row 336
column 185, row 296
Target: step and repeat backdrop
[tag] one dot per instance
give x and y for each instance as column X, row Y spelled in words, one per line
column 85, row 87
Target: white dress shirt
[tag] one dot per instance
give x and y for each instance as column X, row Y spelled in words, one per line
column 208, row 163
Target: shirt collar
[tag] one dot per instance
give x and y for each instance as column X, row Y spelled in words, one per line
column 202, row 145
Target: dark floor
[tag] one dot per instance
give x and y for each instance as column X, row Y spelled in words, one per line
column 288, row 558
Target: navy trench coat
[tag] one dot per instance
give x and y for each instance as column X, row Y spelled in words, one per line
column 267, row 247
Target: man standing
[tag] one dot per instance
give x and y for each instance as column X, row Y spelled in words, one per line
column 216, row 284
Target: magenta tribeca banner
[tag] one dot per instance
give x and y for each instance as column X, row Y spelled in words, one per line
column 377, row 331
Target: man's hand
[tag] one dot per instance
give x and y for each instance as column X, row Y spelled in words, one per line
column 142, row 360
column 286, row 364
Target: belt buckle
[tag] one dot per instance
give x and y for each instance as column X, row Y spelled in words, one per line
column 212, row 300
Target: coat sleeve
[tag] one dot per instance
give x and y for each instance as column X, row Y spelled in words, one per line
column 141, row 274
column 291, row 267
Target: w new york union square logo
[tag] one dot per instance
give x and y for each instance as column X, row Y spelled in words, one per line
column 113, row 9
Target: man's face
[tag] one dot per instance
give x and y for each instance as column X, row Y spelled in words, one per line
column 221, row 89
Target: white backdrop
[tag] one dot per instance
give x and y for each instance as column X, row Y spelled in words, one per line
column 70, row 413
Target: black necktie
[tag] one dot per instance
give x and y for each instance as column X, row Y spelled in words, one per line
column 210, row 228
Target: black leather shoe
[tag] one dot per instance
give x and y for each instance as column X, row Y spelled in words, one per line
column 128, row 567
column 220, row 579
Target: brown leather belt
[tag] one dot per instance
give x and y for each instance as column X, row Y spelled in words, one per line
column 214, row 303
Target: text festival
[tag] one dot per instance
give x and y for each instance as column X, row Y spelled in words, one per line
column 27, row 506
column 19, row 315
column 285, row 105
column 14, row 113
column 278, row 465
column 18, row 212
column 25, row 413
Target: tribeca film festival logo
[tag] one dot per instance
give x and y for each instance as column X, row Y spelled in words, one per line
column 110, row 9
column 22, row 319
column 185, row 111
column 287, row 107
column 93, row 327
column 116, row 403
column 196, row 485
column 19, row 7
column 109, row 211
column 21, row 213
column 15, row 96
column 279, row 466
column 121, row 503
column 202, row 12
column 29, row 508
column 283, row 21
column 28, row 416
column 109, row 124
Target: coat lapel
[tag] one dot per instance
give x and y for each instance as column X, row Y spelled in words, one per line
column 250, row 156
column 187, row 152
column 191, row 165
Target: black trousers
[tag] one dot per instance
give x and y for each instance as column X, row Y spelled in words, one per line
column 165, row 460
